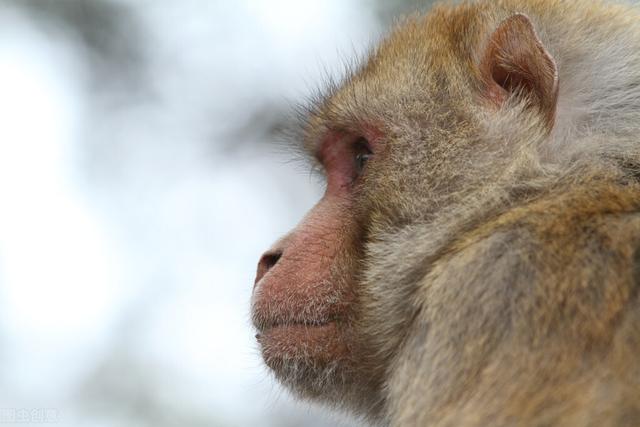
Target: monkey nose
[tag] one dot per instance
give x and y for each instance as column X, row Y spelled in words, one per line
column 267, row 261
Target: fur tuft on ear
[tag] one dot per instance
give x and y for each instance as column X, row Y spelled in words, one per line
column 515, row 62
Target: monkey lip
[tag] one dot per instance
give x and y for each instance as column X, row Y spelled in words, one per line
column 265, row 320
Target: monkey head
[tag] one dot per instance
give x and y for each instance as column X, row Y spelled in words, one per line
column 439, row 109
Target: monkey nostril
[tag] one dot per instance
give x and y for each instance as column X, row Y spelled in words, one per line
column 267, row 261
column 270, row 259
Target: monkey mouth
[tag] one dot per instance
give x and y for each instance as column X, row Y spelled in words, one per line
column 266, row 319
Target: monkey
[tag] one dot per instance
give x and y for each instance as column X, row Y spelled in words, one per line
column 475, row 258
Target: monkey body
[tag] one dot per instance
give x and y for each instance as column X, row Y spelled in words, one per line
column 536, row 320
column 485, row 262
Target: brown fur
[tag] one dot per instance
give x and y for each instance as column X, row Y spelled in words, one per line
column 495, row 274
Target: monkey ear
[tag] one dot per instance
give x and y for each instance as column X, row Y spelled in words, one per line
column 516, row 62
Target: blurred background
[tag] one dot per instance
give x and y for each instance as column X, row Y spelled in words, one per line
column 140, row 180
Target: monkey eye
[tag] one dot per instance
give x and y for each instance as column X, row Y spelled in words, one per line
column 362, row 154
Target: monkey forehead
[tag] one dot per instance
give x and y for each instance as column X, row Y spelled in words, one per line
column 420, row 48
column 426, row 58
column 425, row 66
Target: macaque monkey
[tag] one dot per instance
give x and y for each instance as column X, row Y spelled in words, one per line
column 475, row 259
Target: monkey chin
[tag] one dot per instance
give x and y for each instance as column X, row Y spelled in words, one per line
column 312, row 360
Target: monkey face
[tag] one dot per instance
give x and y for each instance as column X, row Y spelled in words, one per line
column 306, row 284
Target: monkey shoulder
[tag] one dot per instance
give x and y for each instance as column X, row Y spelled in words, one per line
column 536, row 309
column 567, row 262
column 575, row 240
column 588, row 224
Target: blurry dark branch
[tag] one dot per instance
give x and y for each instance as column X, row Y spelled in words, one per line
column 109, row 34
column 264, row 125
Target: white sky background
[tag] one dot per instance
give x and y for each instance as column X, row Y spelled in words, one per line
column 130, row 231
